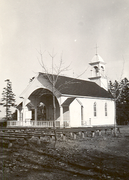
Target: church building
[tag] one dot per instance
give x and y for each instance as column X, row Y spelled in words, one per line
column 77, row 102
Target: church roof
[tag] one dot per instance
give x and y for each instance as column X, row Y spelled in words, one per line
column 97, row 58
column 78, row 87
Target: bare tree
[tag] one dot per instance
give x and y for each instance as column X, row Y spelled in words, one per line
column 53, row 78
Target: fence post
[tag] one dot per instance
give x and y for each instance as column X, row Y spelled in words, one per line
column 64, row 137
column 74, row 135
column 99, row 132
column 71, row 134
column 83, row 135
column 61, row 135
column 118, row 130
column 92, row 134
column 112, row 131
column 79, row 133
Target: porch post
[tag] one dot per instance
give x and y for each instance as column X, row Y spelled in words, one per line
column 24, row 113
column 35, row 114
column 61, row 116
column 18, row 115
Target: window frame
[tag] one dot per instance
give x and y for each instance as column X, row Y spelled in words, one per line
column 106, row 109
column 95, row 109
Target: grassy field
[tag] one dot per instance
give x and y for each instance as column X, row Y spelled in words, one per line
column 102, row 157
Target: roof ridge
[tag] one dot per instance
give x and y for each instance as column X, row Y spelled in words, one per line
column 67, row 77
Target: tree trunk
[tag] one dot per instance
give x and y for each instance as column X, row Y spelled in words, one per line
column 54, row 117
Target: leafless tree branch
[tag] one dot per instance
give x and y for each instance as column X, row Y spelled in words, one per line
column 122, row 69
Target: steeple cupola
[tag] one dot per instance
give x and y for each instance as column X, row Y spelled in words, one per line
column 98, row 71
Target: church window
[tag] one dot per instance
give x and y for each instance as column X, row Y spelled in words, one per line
column 102, row 68
column 81, row 115
column 95, row 110
column 96, row 70
column 105, row 109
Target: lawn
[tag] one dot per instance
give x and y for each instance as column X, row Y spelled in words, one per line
column 101, row 157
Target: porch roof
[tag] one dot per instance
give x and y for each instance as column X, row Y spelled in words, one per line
column 68, row 101
column 73, row 86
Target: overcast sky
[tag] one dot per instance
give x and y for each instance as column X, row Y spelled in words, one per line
column 73, row 27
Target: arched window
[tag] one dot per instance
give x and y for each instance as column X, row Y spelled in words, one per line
column 102, row 68
column 96, row 70
column 81, row 115
column 105, row 109
column 95, row 110
column 102, row 71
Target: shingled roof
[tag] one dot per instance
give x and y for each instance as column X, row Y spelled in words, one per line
column 78, row 87
column 68, row 101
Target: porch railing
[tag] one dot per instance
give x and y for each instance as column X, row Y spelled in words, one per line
column 14, row 123
column 44, row 123
column 33, row 123
column 65, row 123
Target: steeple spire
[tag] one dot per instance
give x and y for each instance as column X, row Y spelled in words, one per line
column 96, row 49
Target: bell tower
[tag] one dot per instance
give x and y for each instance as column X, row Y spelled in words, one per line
column 98, row 71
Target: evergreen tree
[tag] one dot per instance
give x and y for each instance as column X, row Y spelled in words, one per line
column 114, row 88
column 8, row 98
column 122, row 103
column 120, row 92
